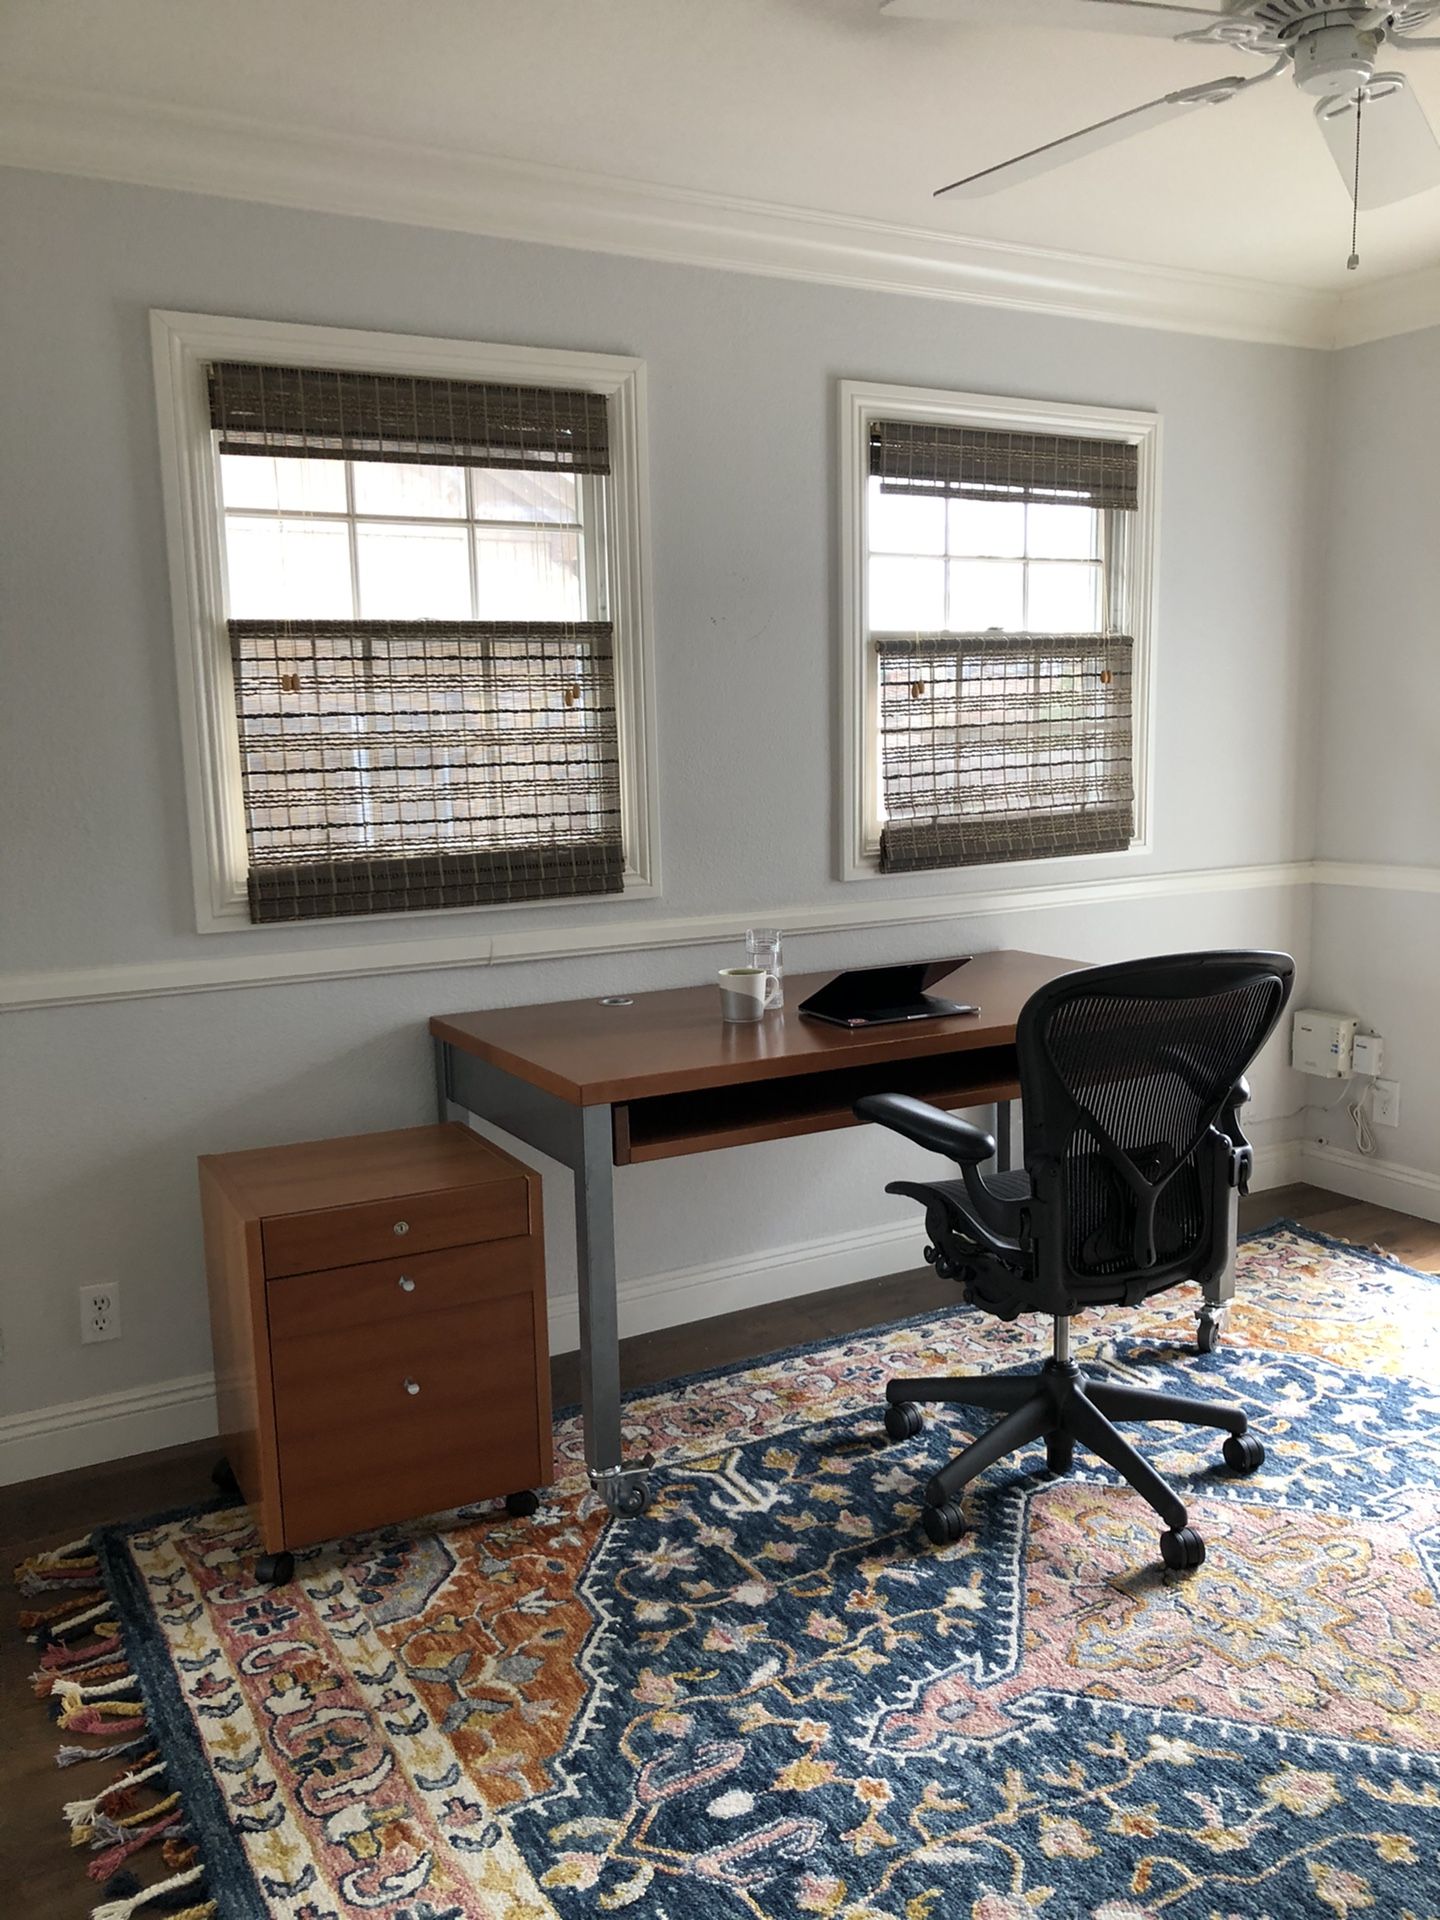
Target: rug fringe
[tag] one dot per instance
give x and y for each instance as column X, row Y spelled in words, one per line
column 125, row 1747
column 61, row 1627
column 122, row 1909
column 80, row 1814
column 31, row 1617
column 52, row 1572
column 105, row 1865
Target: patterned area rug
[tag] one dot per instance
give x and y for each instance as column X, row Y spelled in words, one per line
column 770, row 1696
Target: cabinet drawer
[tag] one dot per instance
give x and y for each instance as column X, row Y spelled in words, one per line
column 394, row 1419
column 303, row 1306
column 345, row 1236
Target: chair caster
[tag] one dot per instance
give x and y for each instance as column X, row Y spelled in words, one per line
column 1059, row 1453
column 903, row 1420
column 1243, row 1453
column 275, row 1569
column 222, row 1478
column 1207, row 1331
column 943, row 1525
column 521, row 1505
column 1182, row 1550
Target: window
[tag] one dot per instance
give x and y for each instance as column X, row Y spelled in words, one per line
column 997, row 565
column 411, row 620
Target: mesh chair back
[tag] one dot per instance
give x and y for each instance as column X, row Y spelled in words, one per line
column 1124, row 1072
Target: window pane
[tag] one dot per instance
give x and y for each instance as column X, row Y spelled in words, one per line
column 1064, row 598
column 528, row 574
column 502, row 495
column 1063, row 533
column 304, row 486
column 901, row 523
column 987, row 526
column 287, row 568
column 907, row 596
column 413, row 573
column 987, row 593
column 411, row 492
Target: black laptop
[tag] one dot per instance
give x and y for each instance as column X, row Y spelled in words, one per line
column 883, row 996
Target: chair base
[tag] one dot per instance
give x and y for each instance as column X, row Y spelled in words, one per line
column 1060, row 1406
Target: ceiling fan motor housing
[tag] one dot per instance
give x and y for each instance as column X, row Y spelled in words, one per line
column 1334, row 59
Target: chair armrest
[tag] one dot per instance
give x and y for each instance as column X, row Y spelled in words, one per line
column 928, row 1127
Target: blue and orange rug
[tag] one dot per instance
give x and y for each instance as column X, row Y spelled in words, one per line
column 770, row 1696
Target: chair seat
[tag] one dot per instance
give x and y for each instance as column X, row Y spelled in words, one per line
column 1004, row 1186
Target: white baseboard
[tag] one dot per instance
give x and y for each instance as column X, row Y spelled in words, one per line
column 111, row 1426
column 1384, row 1183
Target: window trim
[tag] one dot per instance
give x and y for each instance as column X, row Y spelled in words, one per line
column 183, row 344
column 860, row 402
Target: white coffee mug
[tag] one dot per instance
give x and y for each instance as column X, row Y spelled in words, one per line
column 743, row 993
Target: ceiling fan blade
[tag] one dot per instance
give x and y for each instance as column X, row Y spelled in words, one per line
column 1399, row 154
column 1072, row 146
column 1157, row 18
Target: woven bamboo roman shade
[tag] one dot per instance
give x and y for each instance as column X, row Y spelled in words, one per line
column 986, row 463
column 391, row 766
column 1004, row 747
column 323, row 413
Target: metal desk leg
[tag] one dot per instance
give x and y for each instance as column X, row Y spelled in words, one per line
column 580, row 1138
column 625, row 1489
column 1004, row 1136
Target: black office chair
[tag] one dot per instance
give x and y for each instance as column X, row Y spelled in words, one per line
column 1132, row 1079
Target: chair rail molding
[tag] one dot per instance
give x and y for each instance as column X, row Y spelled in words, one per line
column 135, row 980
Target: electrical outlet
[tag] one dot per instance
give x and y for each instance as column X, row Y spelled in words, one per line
column 1385, row 1102
column 99, row 1314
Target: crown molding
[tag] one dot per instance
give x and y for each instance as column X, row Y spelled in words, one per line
column 1381, row 309
column 143, row 143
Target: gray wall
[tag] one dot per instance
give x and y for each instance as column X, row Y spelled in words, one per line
column 106, row 1105
column 1376, row 945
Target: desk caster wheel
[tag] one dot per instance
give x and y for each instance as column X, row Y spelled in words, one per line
column 222, row 1477
column 1059, row 1453
column 521, row 1505
column 1207, row 1332
column 1243, row 1453
column 275, row 1569
column 631, row 1501
column 943, row 1525
column 1183, row 1550
column 903, row 1420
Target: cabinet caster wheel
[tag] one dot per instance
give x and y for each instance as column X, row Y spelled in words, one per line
column 943, row 1525
column 903, row 1420
column 1182, row 1550
column 1207, row 1333
column 275, row 1569
column 521, row 1505
column 1059, row 1453
column 1243, row 1453
column 222, row 1478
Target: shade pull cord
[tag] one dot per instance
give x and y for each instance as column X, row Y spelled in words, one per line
column 1354, row 261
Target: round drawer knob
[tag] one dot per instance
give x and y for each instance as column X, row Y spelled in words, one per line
column 407, row 1285
column 402, row 1226
column 412, row 1386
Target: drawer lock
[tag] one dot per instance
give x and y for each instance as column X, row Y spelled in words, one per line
column 402, row 1226
column 412, row 1386
column 407, row 1285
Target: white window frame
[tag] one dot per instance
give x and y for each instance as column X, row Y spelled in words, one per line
column 184, row 344
column 862, row 402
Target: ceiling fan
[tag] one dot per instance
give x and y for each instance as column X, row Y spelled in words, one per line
column 1373, row 124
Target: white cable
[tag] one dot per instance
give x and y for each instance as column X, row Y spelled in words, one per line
column 1359, row 1111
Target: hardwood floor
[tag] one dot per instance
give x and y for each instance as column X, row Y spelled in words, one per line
column 46, row 1877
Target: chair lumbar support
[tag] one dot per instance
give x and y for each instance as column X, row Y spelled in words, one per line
column 1061, row 1406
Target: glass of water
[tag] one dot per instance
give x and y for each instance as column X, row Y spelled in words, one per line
column 763, row 949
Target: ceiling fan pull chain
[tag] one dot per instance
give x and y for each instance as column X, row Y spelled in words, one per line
column 1354, row 261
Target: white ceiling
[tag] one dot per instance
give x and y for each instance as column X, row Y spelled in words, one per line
column 824, row 105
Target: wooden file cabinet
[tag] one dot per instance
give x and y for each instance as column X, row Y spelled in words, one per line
column 378, row 1312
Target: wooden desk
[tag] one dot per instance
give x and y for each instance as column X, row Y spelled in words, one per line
column 598, row 1086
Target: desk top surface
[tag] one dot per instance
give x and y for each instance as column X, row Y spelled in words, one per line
column 676, row 1042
